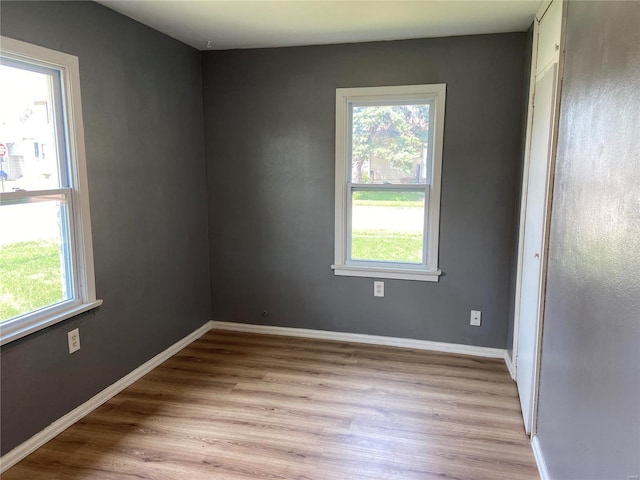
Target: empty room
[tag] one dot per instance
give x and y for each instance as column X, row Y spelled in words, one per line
column 320, row 240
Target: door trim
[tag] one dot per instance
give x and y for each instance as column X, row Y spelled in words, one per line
column 523, row 197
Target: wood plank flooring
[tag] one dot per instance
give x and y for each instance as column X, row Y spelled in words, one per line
column 245, row 406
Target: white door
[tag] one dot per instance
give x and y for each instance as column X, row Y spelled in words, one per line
column 534, row 240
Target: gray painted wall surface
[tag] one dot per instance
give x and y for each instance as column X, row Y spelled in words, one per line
column 589, row 411
column 270, row 127
column 142, row 106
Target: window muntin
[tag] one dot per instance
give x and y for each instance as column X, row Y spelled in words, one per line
column 388, row 163
column 46, row 257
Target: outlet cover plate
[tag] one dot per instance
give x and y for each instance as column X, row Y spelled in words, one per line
column 476, row 318
column 378, row 289
column 74, row 340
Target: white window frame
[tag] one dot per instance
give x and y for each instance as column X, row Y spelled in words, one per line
column 345, row 99
column 76, row 195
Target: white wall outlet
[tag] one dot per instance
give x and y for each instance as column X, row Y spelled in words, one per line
column 378, row 289
column 74, row 340
column 476, row 317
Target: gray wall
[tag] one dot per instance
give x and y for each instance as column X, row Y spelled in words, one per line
column 589, row 411
column 270, row 127
column 142, row 106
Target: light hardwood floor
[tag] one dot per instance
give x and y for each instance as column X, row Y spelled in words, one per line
column 245, row 406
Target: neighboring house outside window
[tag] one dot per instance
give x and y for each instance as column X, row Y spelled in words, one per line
column 388, row 169
column 46, row 254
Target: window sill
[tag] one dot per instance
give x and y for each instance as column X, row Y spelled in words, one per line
column 14, row 329
column 381, row 272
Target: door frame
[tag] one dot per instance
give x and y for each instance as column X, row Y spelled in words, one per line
column 547, row 208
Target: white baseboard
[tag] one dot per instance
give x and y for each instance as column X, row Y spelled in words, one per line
column 362, row 338
column 21, row 451
column 510, row 366
column 537, row 453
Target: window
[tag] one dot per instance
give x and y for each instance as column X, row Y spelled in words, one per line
column 388, row 164
column 46, row 255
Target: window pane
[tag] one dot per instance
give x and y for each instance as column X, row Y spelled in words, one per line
column 34, row 256
column 389, row 144
column 387, row 226
column 27, row 129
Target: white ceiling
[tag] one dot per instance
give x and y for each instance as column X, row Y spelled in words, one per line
column 252, row 24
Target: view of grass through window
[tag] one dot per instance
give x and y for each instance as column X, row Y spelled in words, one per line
column 387, row 226
column 30, row 277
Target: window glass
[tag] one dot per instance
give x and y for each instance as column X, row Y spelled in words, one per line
column 389, row 143
column 28, row 130
column 34, row 256
column 387, row 225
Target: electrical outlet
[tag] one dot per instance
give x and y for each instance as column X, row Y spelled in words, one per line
column 476, row 316
column 74, row 340
column 378, row 289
